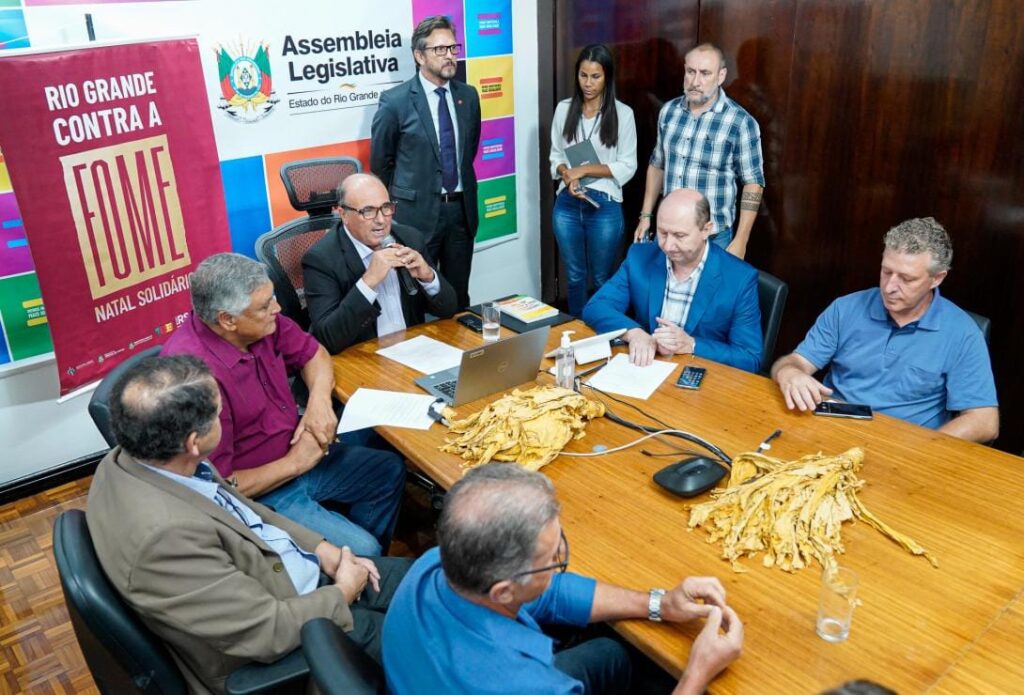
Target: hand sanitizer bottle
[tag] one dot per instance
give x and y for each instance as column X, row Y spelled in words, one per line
column 565, row 362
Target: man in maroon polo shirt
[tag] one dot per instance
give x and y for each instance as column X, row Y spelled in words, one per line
column 267, row 451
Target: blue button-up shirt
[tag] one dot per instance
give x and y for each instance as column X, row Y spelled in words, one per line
column 303, row 568
column 922, row 372
column 436, row 641
column 708, row 153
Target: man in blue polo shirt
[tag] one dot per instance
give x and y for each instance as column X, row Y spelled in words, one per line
column 467, row 616
column 902, row 348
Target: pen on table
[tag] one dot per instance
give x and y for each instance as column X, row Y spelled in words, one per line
column 766, row 444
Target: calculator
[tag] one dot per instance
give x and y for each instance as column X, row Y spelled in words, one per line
column 691, row 378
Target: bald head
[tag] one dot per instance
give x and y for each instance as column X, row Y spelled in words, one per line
column 358, row 185
column 711, row 49
column 684, row 206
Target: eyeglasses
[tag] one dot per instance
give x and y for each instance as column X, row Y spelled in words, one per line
column 561, row 565
column 370, row 212
column 441, row 51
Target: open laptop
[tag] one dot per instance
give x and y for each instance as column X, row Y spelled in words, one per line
column 489, row 368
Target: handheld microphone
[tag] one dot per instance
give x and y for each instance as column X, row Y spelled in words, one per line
column 409, row 284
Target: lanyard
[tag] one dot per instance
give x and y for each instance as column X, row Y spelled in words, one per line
column 586, row 135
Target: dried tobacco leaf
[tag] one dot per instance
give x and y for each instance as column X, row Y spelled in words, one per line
column 528, row 427
column 792, row 511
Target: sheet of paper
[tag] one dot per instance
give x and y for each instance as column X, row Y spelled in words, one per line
column 372, row 408
column 592, row 352
column 423, row 354
column 625, row 379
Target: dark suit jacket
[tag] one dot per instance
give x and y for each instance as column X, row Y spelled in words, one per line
column 199, row 578
column 405, row 154
column 339, row 313
column 724, row 317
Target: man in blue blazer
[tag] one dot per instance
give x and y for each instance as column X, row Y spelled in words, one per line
column 682, row 295
column 423, row 140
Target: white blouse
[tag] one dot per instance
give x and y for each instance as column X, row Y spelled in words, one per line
column 621, row 159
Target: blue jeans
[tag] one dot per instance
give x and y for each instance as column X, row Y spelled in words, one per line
column 588, row 240
column 370, row 481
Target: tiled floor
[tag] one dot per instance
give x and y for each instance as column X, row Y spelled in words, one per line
column 38, row 650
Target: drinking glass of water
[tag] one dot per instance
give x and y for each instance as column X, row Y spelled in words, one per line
column 835, row 608
column 491, row 314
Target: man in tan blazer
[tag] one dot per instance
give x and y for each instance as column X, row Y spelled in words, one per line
column 221, row 579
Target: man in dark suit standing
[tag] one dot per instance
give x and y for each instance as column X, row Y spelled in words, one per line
column 424, row 154
column 353, row 289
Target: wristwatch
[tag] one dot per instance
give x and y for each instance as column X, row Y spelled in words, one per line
column 654, row 605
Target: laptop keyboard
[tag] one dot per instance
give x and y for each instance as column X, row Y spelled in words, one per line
column 447, row 387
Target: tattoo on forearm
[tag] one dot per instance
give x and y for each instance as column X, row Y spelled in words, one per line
column 750, row 200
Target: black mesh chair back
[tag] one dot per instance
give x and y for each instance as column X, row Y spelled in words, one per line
column 123, row 655
column 338, row 665
column 984, row 323
column 311, row 185
column 99, row 403
column 771, row 297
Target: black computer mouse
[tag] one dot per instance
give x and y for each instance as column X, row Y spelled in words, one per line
column 690, row 477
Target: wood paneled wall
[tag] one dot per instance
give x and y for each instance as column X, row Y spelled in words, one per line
column 870, row 113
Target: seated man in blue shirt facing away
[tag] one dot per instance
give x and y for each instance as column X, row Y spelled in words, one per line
column 467, row 616
column 682, row 295
column 901, row 348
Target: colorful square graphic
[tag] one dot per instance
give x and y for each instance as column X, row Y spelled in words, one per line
column 492, row 78
column 452, row 9
column 281, row 209
column 245, row 195
column 497, row 153
column 5, row 178
column 496, row 203
column 15, row 258
column 5, row 354
column 13, row 33
column 24, row 317
column 488, row 28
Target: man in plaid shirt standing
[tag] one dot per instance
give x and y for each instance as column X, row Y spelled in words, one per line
column 706, row 141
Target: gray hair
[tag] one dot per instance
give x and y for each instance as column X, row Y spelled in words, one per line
column 702, row 211
column 225, row 282
column 708, row 46
column 490, row 523
column 922, row 235
column 425, row 28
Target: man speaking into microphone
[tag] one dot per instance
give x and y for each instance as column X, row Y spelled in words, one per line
column 367, row 277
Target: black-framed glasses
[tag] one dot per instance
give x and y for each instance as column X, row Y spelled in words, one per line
column 561, row 565
column 370, row 212
column 441, row 51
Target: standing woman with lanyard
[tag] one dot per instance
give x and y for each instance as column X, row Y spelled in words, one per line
column 589, row 237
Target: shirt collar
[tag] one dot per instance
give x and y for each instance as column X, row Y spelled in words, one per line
column 218, row 346
column 362, row 249
column 696, row 271
column 522, row 635
column 429, row 87
column 929, row 322
column 202, row 481
column 719, row 104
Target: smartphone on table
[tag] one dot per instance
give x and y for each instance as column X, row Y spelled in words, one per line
column 858, row 411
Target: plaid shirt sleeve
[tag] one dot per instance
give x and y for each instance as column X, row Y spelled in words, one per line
column 747, row 160
column 658, row 155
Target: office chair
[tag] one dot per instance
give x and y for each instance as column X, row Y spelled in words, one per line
column 99, row 402
column 771, row 297
column 123, row 655
column 311, row 186
column 984, row 323
column 339, row 666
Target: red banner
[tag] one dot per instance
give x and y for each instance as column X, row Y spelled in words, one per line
column 111, row 152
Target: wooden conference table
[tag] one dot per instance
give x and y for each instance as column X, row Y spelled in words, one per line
column 958, row 628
